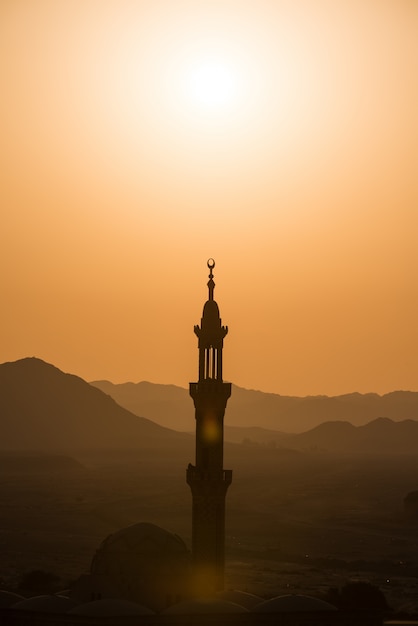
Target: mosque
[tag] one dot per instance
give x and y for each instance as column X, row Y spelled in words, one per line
column 149, row 565
column 144, row 574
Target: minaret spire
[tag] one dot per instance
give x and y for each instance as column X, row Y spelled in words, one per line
column 211, row 283
column 208, row 479
column 211, row 334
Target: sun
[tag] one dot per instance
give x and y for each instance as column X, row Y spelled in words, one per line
column 187, row 83
column 211, row 84
column 206, row 81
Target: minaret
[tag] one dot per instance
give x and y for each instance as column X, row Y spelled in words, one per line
column 208, row 479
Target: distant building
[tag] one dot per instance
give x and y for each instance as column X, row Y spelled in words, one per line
column 142, row 563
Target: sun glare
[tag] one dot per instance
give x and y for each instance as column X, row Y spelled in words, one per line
column 211, row 84
column 206, row 81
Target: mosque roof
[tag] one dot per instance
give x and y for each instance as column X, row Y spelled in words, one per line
column 292, row 603
column 142, row 563
column 45, row 604
column 112, row 607
column 203, row 606
column 7, row 598
column 144, row 538
column 247, row 600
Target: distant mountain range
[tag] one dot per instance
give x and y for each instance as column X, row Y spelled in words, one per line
column 382, row 436
column 44, row 409
column 172, row 407
column 41, row 408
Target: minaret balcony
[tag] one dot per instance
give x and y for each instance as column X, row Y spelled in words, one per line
column 210, row 386
column 195, row 476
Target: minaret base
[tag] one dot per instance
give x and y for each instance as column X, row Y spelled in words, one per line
column 208, row 533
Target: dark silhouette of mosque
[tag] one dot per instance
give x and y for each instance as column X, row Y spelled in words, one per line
column 208, row 480
column 147, row 564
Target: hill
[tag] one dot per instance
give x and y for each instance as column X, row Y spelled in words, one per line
column 167, row 405
column 172, row 407
column 33, row 463
column 42, row 408
column 382, row 436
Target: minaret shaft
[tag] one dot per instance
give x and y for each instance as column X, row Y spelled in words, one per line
column 208, row 479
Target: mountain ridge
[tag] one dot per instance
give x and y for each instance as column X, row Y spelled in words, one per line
column 170, row 405
column 43, row 408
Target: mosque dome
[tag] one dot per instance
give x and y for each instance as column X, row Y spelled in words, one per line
column 89, row 587
column 292, row 603
column 211, row 312
column 146, row 564
column 247, row 600
column 110, row 607
column 143, row 537
column 7, row 598
column 45, row 604
column 204, row 606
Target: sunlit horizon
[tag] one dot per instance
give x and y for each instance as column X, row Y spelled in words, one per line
column 141, row 139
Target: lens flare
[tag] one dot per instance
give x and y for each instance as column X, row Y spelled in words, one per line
column 211, row 429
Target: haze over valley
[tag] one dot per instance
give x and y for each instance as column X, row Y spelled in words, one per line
column 306, row 511
column 45, row 409
column 170, row 406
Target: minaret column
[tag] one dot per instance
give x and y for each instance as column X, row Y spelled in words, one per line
column 208, row 480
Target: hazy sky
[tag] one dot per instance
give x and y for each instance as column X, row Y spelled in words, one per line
column 278, row 137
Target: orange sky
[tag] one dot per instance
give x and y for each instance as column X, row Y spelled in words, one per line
column 118, row 183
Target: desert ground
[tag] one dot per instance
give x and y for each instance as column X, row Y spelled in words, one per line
column 296, row 522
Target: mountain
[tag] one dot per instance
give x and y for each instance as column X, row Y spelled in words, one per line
column 42, row 408
column 37, row 463
column 172, row 407
column 255, row 434
column 380, row 436
column 167, row 405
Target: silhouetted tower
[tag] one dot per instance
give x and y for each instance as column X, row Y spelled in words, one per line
column 208, row 479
